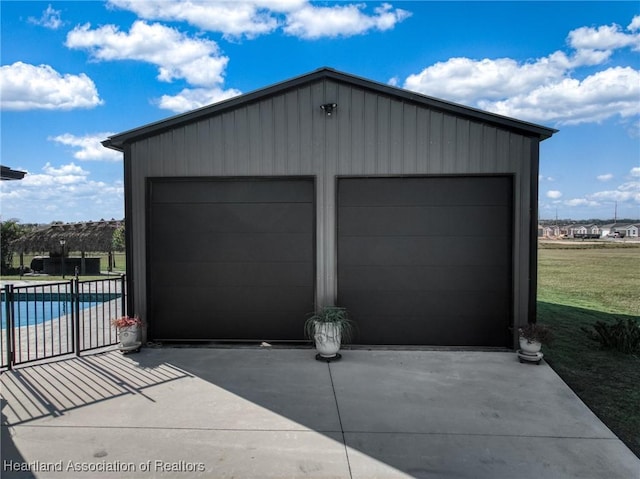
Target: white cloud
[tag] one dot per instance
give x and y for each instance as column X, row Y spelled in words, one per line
column 190, row 99
column 50, row 18
column 625, row 192
column 581, row 202
column 233, row 19
column 547, row 89
column 605, row 37
column 468, row 81
column 554, row 194
column 177, row 56
column 611, row 92
column 605, row 177
column 29, row 87
column 311, row 22
column 88, row 146
column 535, row 91
column 64, row 175
column 198, row 60
column 61, row 191
column 250, row 19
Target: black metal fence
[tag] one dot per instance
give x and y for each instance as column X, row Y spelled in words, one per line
column 56, row 319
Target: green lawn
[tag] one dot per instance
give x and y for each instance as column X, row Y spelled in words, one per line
column 118, row 268
column 578, row 286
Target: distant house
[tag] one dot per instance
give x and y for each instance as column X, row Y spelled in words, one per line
column 550, row 231
column 591, row 231
column 624, row 231
column 578, row 230
column 565, row 230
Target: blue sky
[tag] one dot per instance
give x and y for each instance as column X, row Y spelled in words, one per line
column 72, row 73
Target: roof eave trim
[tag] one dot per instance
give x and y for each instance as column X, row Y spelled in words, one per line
column 108, row 143
column 542, row 131
column 116, row 142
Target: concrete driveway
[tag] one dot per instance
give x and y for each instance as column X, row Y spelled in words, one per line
column 278, row 413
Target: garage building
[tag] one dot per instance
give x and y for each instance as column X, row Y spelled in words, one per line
column 416, row 214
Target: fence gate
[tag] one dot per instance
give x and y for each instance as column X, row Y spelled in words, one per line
column 56, row 319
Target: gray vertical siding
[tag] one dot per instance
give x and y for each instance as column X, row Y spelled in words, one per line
column 369, row 134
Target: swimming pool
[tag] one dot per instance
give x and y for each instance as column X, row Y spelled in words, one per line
column 29, row 313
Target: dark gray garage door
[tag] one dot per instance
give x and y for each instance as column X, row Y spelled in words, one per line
column 230, row 259
column 426, row 261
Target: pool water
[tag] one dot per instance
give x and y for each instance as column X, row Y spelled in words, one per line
column 29, row 313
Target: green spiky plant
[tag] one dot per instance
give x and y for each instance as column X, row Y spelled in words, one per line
column 330, row 314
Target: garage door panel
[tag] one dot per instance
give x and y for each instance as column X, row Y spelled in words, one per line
column 270, row 247
column 236, row 218
column 367, row 303
column 443, row 330
column 423, row 220
column 233, row 326
column 233, row 313
column 235, row 274
column 232, row 191
column 239, row 298
column 198, row 323
column 423, row 250
column 443, row 191
column 427, row 260
column 232, row 259
column 425, row 278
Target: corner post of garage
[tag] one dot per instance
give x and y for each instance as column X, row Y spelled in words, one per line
column 533, row 230
column 128, row 227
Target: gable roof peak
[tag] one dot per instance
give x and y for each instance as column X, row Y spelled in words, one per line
column 118, row 141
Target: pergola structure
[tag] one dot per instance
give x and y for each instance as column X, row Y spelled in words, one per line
column 89, row 236
column 61, row 238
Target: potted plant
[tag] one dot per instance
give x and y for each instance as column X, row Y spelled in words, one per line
column 128, row 328
column 328, row 328
column 531, row 338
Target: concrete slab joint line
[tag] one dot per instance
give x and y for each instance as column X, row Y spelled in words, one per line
column 278, row 413
column 344, row 441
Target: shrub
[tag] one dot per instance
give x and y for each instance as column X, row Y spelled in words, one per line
column 10, row 231
column 623, row 336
